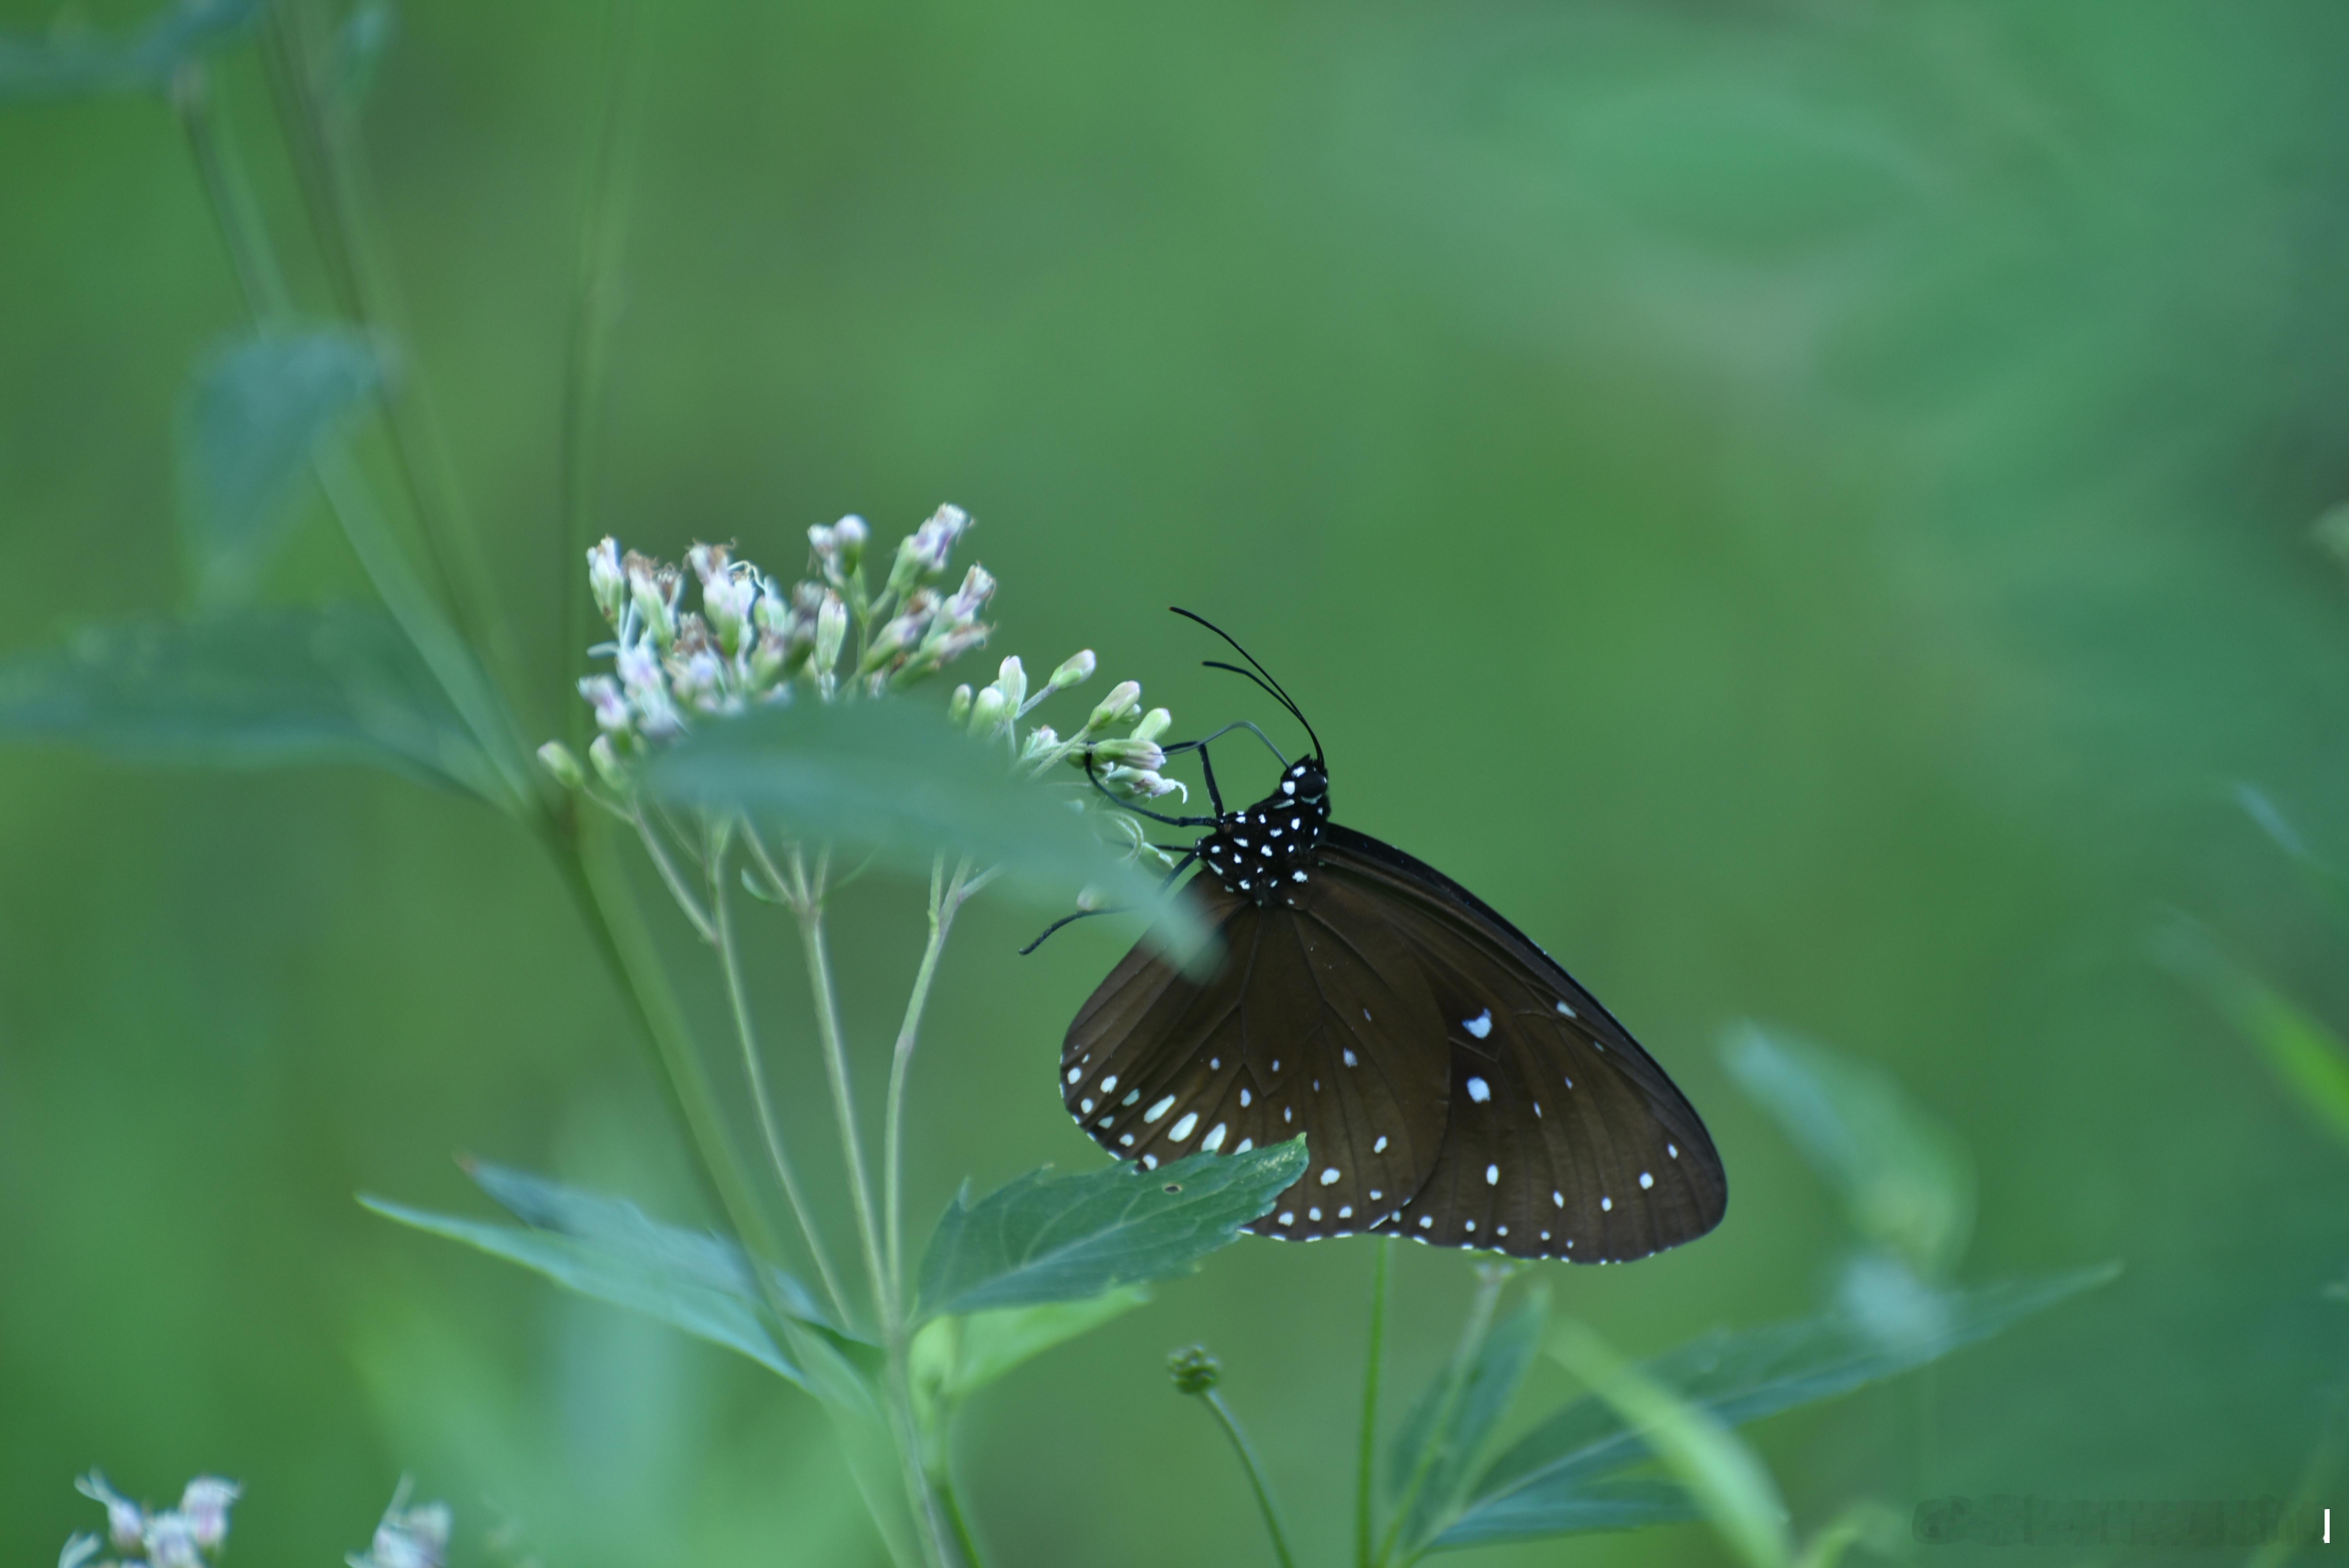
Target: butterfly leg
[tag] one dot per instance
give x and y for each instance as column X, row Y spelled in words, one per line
column 1189, row 856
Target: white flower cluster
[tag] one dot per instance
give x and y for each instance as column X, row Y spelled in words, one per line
column 1127, row 765
column 187, row 1536
column 407, row 1537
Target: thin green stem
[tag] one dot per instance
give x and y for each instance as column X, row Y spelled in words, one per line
column 703, row 927
column 1489, row 1283
column 1257, row 1477
column 243, row 235
column 1366, row 1466
column 754, row 1068
column 809, row 904
column 946, row 897
column 966, row 1540
column 594, row 310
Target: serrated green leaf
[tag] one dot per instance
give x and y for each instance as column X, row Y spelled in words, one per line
column 1497, row 1367
column 1720, row 1474
column 253, row 688
column 954, row 1357
column 1904, row 1179
column 1538, row 1486
column 895, row 778
column 256, row 415
column 682, row 1303
column 67, row 65
column 1045, row 1238
column 621, row 1230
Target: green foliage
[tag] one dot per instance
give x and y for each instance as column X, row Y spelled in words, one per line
column 1045, row 1238
column 1541, row 1484
column 1446, row 1430
column 73, row 63
column 258, row 687
column 255, row 414
column 896, row 778
column 2307, row 1057
column 1904, row 1179
column 954, row 1357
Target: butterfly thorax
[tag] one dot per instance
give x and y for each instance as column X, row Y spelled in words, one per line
column 1268, row 851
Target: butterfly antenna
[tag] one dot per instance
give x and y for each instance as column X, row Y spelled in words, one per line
column 1261, row 676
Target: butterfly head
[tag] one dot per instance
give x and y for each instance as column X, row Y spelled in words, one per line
column 1268, row 852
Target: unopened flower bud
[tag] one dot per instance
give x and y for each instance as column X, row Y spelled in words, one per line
column 831, row 631
column 1154, row 724
column 1012, row 677
column 987, row 711
column 839, row 549
column 773, row 611
column 1193, row 1370
column 1076, row 668
column 1040, row 740
column 556, row 759
column 606, row 579
column 602, row 694
column 652, row 587
column 1142, row 754
column 709, row 561
column 958, row 705
column 770, row 657
column 205, row 1502
column 605, row 758
column 726, row 600
column 1123, row 700
column 978, row 588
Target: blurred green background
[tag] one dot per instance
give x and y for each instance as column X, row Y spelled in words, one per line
column 1804, row 507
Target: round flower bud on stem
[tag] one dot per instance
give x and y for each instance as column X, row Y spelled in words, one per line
column 1193, row 1370
column 606, row 579
column 556, row 759
column 987, row 711
column 605, row 758
column 831, row 631
column 958, row 705
column 1155, row 723
column 1142, row 754
column 1120, row 705
column 1076, row 668
column 1012, row 678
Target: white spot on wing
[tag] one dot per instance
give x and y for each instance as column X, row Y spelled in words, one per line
column 1426, row 1221
column 1492, row 1175
column 1558, row 1198
column 1313, row 1214
column 1076, row 1073
column 1329, row 1177
column 1109, row 1084
column 1245, row 1098
column 1182, row 1129
column 1086, row 1107
column 1215, row 1139
column 1289, row 1218
column 1244, row 1145
column 1350, row 1056
column 1479, row 1091
column 1480, row 1025
column 1606, row 1204
column 1158, row 1108
column 1565, row 1009
column 1646, row 1179
column 1381, row 1146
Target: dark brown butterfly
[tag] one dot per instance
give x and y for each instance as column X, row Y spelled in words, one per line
column 1453, row 1083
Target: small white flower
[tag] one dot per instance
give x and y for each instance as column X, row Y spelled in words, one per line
column 126, row 1521
column 606, row 579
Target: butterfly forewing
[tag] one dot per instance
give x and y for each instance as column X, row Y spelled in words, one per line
column 1314, row 1022
column 1565, row 1139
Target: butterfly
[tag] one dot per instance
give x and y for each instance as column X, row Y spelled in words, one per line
column 1453, row 1083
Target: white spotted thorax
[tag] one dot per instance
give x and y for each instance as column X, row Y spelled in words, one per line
column 1267, row 853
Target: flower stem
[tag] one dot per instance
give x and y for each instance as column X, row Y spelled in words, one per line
column 754, row 1069
column 1366, row 1468
column 1439, row 1432
column 1256, row 1478
column 808, row 900
column 946, row 898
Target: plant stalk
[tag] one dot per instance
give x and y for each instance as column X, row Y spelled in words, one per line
column 1366, row 1466
column 946, row 898
column 1439, row 1437
column 1255, row 1474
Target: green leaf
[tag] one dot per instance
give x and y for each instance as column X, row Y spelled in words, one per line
column 360, row 44
column 256, row 415
column 673, row 1298
column 262, row 687
column 1539, row 1485
column 67, row 64
column 2326, row 881
column 861, row 1424
column 1904, row 1179
column 894, row 776
column 1496, row 1368
column 954, row 1357
column 618, row 1228
column 1045, row 1238
column 1721, row 1475
column 2307, row 1054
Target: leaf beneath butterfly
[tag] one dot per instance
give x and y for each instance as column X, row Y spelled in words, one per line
column 1046, row 1238
column 256, row 415
column 1540, row 1485
column 895, row 778
column 1497, row 1366
column 1905, row 1179
column 65, row 64
column 715, row 1316
column 261, row 688
column 954, row 1357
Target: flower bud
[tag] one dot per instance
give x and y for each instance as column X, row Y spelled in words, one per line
column 605, row 758
column 978, row 588
column 1076, row 668
column 1012, row 677
column 1193, row 1370
column 172, row 1542
column 958, row 705
column 831, row 631
column 1142, row 754
column 987, row 711
column 1040, row 740
column 1123, row 700
column 1145, row 784
column 840, row 549
column 606, row 579
column 727, row 599
column 556, row 759
column 653, row 588
column 603, row 694
column 770, row 659
column 1154, row 724
column 773, row 611
column 126, row 1521
column 709, row 561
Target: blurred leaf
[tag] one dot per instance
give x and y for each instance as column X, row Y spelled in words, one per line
column 1721, row 1475
column 895, row 778
column 1497, row 1367
column 71, row 63
column 1904, row 1179
column 262, row 687
column 2329, row 884
column 1884, row 1531
column 359, row 46
column 1043, row 1238
column 1538, row 1486
column 954, row 1357
column 672, row 1298
column 254, row 415
column 2331, row 532
column 620, row 1229
column 2312, row 1061
column 858, row 1418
